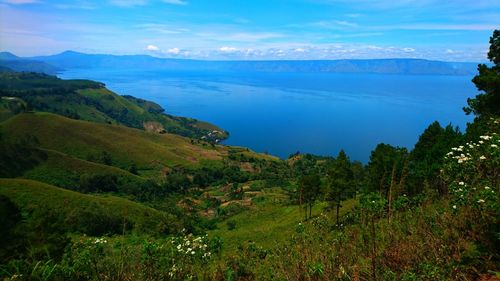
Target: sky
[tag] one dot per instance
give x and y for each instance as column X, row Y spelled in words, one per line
column 449, row 30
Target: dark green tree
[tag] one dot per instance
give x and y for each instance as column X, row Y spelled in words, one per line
column 487, row 81
column 341, row 181
column 427, row 156
column 10, row 217
column 387, row 170
column 133, row 169
column 98, row 183
column 105, row 158
column 310, row 189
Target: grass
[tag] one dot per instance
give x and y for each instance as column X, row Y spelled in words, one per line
column 126, row 146
column 70, row 143
column 72, row 206
column 249, row 153
column 109, row 100
column 269, row 223
column 64, row 171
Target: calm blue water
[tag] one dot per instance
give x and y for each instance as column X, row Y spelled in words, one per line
column 282, row 113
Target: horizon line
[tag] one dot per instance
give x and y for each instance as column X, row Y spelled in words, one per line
column 238, row 60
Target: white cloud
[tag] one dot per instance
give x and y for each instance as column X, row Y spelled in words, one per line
column 152, row 48
column 173, row 51
column 226, row 49
column 20, row 2
column 175, row 2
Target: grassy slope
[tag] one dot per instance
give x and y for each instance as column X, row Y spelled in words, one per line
column 89, row 100
column 109, row 100
column 63, row 170
column 126, row 145
column 32, row 195
column 268, row 223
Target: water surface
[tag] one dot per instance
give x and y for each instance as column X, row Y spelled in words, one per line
column 321, row 113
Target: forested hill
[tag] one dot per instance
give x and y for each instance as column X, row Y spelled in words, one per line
column 91, row 101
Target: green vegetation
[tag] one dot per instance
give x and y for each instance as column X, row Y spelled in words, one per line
column 138, row 205
column 86, row 214
column 89, row 100
column 126, row 146
column 268, row 225
column 62, row 170
column 10, row 106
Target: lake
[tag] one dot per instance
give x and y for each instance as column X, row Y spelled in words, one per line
column 320, row 113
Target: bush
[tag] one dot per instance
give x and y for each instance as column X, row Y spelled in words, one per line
column 98, row 183
column 231, row 225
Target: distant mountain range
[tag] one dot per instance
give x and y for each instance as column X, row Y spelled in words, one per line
column 73, row 60
column 9, row 61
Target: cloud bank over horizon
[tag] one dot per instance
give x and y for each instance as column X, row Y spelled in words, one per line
column 252, row 30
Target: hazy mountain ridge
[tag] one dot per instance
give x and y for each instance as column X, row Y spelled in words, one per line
column 9, row 61
column 74, row 60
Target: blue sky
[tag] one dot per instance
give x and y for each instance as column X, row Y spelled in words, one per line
column 451, row 30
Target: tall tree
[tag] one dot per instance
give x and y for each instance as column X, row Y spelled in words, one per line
column 387, row 166
column 341, row 181
column 310, row 189
column 487, row 103
column 428, row 154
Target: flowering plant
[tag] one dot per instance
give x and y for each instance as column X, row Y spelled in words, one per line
column 472, row 173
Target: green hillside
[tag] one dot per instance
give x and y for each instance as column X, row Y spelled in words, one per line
column 89, row 100
column 84, row 213
column 126, row 146
column 268, row 223
column 63, row 170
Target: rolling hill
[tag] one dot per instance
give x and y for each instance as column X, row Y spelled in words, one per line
column 126, row 146
column 85, row 213
column 62, row 170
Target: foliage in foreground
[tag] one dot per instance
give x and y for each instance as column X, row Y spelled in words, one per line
column 421, row 216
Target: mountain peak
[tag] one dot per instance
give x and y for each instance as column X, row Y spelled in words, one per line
column 71, row 53
column 8, row 56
